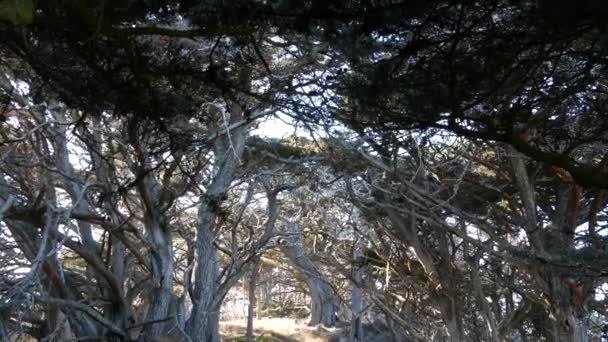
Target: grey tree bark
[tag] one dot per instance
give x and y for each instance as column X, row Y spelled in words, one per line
column 160, row 297
column 37, row 249
column 356, row 330
column 116, row 311
column 252, row 299
column 323, row 301
column 203, row 324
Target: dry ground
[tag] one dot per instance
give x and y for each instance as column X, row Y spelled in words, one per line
column 279, row 330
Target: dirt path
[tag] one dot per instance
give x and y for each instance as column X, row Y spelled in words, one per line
column 279, row 330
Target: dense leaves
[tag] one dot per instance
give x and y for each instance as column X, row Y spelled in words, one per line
column 448, row 170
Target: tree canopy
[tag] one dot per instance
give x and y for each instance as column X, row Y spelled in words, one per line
column 448, row 170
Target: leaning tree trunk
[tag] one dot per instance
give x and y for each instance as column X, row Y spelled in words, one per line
column 323, row 301
column 203, row 324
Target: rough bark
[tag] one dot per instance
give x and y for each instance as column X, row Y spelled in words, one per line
column 161, row 257
column 203, row 324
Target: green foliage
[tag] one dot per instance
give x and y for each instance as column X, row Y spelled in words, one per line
column 17, row 12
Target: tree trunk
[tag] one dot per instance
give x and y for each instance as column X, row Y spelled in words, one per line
column 158, row 233
column 3, row 331
column 356, row 332
column 323, row 308
column 162, row 294
column 569, row 324
column 569, row 328
column 454, row 330
column 452, row 318
column 117, row 313
column 203, row 324
column 261, row 299
column 581, row 330
column 252, row 299
column 323, row 302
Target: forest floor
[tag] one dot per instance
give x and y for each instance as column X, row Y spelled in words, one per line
column 278, row 330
